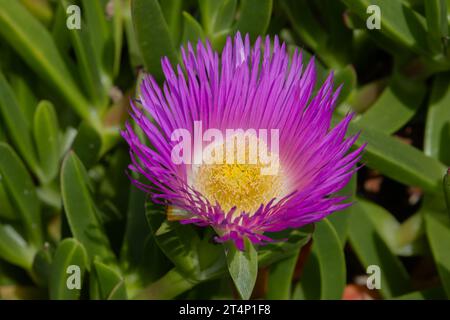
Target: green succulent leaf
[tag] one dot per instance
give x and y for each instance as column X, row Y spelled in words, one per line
column 172, row 284
column 14, row 248
column 325, row 265
column 7, row 211
column 340, row 219
column 398, row 160
column 303, row 23
column 117, row 30
column 34, row 44
column 225, row 15
column 68, row 270
column 438, row 233
column 175, row 240
column 87, row 144
column 16, row 123
column 371, row 249
column 42, row 265
column 286, row 243
column 254, row 17
column 47, row 139
column 437, row 23
column 192, row 31
column 26, row 99
column 98, row 27
column 81, row 211
column 437, row 128
column 395, row 107
column 153, row 35
column 87, row 56
column 140, row 254
column 400, row 238
column 281, row 277
column 209, row 11
column 111, row 284
column 22, row 190
column 172, row 13
column 399, row 23
column 134, row 52
column 243, row 267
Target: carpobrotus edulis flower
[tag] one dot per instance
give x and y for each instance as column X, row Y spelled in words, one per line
column 239, row 98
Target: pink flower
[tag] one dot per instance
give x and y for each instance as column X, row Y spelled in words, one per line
column 250, row 89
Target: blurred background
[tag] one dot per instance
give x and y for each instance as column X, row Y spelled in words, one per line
column 68, row 70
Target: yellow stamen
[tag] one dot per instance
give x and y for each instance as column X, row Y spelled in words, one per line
column 243, row 185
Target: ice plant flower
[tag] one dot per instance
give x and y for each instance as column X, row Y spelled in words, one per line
column 244, row 87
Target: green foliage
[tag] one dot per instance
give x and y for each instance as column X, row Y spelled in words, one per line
column 65, row 199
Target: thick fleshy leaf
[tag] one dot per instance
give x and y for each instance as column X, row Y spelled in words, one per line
column 22, row 190
column 104, row 31
column 372, row 250
column 81, row 212
column 340, row 219
column 192, row 31
column 111, row 284
column 85, row 48
column 16, row 123
column 395, row 107
column 172, row 284
column 153, row 35
column 42, row 265
column 34, row 44
column 68, row 270
column 400, row 238
column 175, row 240
column 26, row 100
column 117, row 30
column 348, row 79
column 243, row 267
column 47, row 139
column 225, row 15
column 437, row 128
column 134, row 52
column 437, row 22
column 87, row 144
column 331, row 42
column 254, row 17
column 399, row 23
column 340, row 38
column 217, row 18
column 172, row 14
column 60, row 35
column 446, row 187
column 280, row 278
column 14, row 249
column 438, row 233
column 286, row 243
column 2, row 133
column 196, row 257
column 7, row 211
column 209, row 11
column 325, row 265
column 140, row 254
column 94, row 13
column 398, row 160
column 303, row 23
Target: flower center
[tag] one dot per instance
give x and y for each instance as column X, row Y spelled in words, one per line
column 237, row 174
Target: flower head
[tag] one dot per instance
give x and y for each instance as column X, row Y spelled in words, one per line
column 240, row 142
